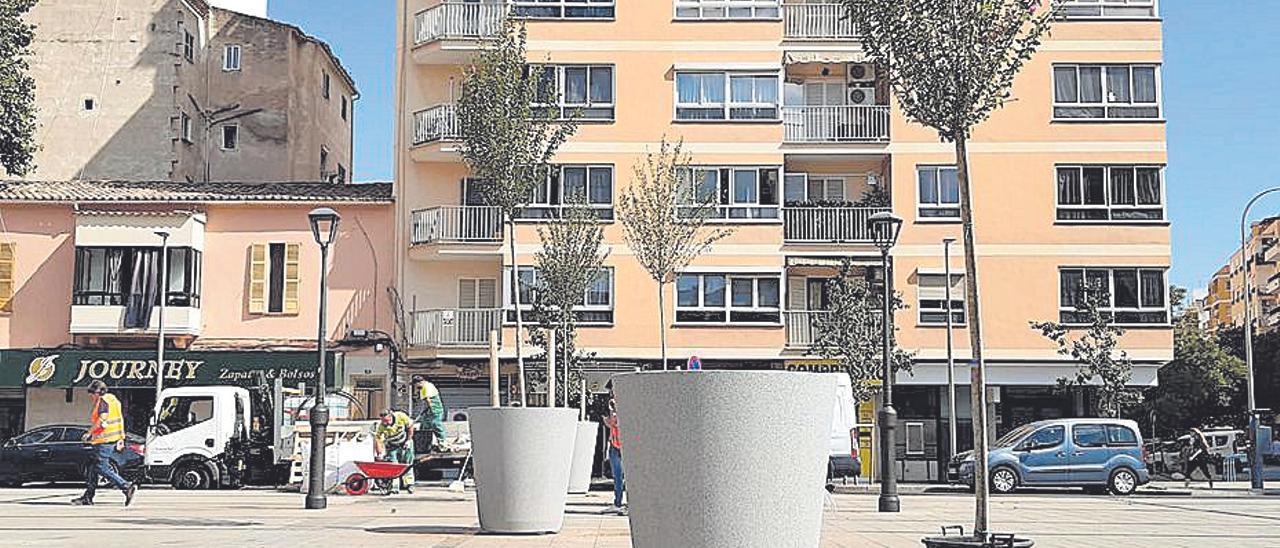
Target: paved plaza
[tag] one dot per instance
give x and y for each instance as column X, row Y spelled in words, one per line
column 437, row 518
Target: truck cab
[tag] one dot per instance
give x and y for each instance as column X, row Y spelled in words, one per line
column 210, row 437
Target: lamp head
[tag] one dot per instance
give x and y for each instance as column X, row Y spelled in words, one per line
column 324, row 224
column 885, row 227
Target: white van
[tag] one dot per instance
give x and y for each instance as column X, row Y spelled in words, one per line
column 843, row 459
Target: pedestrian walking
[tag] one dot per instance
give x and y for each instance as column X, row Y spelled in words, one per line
column 431, row 416
column 106, row 438
column 615, row 459
column 1198, row 457
column 395, row 440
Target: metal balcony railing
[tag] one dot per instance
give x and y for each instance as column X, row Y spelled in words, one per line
column 456, row 224
column 827, row 224
column 826, row 21
column 444, row 328
column 802, row 327
column 436, row 123
column 836, row 124
column 454, row 19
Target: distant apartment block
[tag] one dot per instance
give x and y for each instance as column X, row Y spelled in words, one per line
column 1225, row 300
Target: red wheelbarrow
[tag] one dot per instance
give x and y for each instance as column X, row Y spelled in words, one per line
column 380, row 474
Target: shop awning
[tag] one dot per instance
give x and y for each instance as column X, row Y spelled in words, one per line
column 824, row 56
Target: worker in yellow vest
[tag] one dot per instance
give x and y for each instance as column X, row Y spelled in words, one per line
column 431, row 414
column 106, row 437
column 395, row 443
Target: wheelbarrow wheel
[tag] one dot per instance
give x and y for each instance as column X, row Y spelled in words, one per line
column 356, row 484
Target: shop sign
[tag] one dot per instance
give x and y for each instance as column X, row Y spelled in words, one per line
column 125, row 368
column 812, row 366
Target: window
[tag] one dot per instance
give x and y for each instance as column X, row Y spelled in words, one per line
column 1122, row 436
column 109, row 276
column 584, row 89
column 73, row 434
column 1045, row 438
column 345, row 105
column 185, row 127
column 8, row 262
column 740, row 193
column 563, row 9
column 939, row 192
column 273, row 278
column 569, row 185
column 188, row 46
column 1134, row 296
column 802, row 188
column 478, row 293
column 727, row 9
column 932, row 294
column 342, row 173
column 39, row 436
column 1109, row 9
column 231, row 57
column 728, row 298
column 90, row 104
column 324, row 85
column 596, row 306
column 182, row 412
column 231, row 137
column 1106, row 92
column 726, row 96
column 1089, row 435
column 1120, row 193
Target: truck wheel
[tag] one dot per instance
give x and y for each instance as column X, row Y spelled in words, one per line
column 1123, row 482
column 191, row 476
column 1003, row 480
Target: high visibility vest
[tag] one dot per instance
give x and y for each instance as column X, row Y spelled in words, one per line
column 110, row 429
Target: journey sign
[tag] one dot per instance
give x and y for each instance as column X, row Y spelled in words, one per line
column 125, row 368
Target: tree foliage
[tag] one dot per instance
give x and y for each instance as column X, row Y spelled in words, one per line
column 17, row 89
column 1204, row 385
column 1102, row 364
column 665, row 221
column 849, row 332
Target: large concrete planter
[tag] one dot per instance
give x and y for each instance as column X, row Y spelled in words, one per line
column 725, row 458
column 522, row 458
column 584, row 452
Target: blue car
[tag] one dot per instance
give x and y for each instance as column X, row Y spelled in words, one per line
column 1097, row 454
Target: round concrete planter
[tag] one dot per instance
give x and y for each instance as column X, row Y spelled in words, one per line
column 522, row 458
column 725, row 458
column 584, row 452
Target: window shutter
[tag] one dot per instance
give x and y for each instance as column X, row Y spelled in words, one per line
column 933, row 287
column 6, row 275
column 487, row 293
column 258, row 279
column 291, row 278
column 796, row 293
column 467, row 293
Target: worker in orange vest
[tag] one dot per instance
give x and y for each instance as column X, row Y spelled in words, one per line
column 106, row 436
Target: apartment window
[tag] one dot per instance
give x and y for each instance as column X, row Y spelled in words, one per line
column 1110, row 193
column 230, row 137
column 932, row 296
column 803, row 188
column 739, row 192
column 1134, row 295
column 939, row 196
column 563, row 9
column 727, row 9
column 596, row 306
column 8, row 260
column 274, row 278
column 112, row 276
column 584, row 89
column 478, row 293
column 1108, row 9
column 728, row 298
column 188, row 46
column 324, row 85
column 588, row 186
column 726, row 96
column 1097, row 92
column 231, row 57
column 184, row 127
column 345, row 106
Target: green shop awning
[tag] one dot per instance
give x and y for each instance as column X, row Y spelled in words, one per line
column 137, row 368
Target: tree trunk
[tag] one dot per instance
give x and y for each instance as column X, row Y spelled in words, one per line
column 662, row 323
column 978, row 369
column 515, row 300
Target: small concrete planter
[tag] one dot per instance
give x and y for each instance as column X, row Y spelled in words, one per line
column 584, row 452
column 522, row 458
column 725, row 458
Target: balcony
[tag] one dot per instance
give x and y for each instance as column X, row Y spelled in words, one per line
column 836, row 124
column 454, row 328
column 459, row 20
column 828, row 224
column 436, row 133
column 827, row 21
column 802, row 327
column 456, row 224
column 109, row 320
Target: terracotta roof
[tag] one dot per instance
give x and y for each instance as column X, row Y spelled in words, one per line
column 166, row 191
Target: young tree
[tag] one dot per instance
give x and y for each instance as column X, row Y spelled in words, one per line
column 665, row 218
column 1203, row 385
column 1103, row 365
column 17, row 89
column 508, row 140
column 849, row 332
column 950, row 64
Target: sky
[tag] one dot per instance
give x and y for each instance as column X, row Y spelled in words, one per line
column 1221, row 93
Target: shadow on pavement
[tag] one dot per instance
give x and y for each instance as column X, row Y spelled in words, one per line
column 185, row 522
column 426, row 530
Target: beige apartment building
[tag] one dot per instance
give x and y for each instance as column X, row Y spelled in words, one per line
column 798, row 136
column 179, row 90
column 1225, row 299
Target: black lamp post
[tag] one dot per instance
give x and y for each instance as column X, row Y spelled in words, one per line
column 324, row 226
column 885, row 227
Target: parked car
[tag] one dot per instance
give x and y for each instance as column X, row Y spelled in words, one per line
column 57, row 453
column 1165, row 456
column 1092, row 453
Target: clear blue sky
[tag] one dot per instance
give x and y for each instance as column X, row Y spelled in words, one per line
column 1221, row 96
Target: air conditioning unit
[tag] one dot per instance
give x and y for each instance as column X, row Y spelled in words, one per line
column 860, row 81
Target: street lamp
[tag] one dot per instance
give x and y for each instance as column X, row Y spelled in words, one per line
column 1255, row 459
column 885, row 227
column 324, row 226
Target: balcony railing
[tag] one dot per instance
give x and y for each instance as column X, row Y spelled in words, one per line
column 443, row 328
column 436, row 123
column 453, row 19
column 802, row 327
column 827, row 21
column 836, row 124
column 827, row 224
column 456, row 224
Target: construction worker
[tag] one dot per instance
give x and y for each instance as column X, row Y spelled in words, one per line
column 431, row 416
column 106, row 436
column 395, row 438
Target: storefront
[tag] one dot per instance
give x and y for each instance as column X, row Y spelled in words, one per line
column 53, row 381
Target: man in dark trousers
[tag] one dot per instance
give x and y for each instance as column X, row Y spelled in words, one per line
column 106, row 436
column 1198, row 457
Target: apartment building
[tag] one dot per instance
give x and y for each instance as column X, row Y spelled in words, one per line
column 796, row 132
column 1226, row 300
column 80, row 291
column 178, row 90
